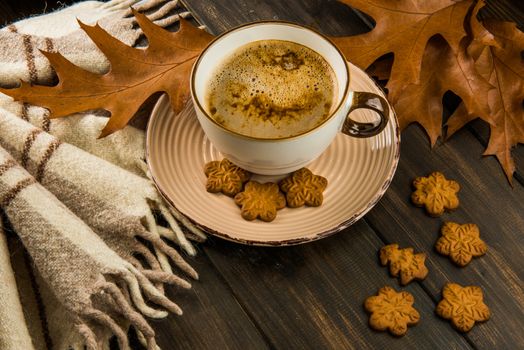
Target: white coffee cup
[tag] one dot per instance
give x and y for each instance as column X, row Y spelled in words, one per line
column 283, row 155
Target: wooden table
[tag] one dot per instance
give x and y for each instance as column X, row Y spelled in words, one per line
column 311, row 296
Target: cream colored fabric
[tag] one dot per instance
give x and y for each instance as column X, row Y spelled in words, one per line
column 13, row 328
column 111, row 200
column 89, row 279
column 125, row 148
column 85, row 276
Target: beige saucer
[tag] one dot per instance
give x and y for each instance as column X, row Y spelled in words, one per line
column 358, row 170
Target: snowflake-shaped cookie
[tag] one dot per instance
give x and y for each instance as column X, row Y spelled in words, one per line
column 404, row 262
column 260, row 201
column 303, row 187
column 435, row 193
column 463, row 306
column 224, row 176
column 460, row 242
column 391, row 311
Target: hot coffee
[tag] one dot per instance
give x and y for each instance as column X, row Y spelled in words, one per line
column 272, row 89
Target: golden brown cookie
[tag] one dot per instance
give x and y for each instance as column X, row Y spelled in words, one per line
column 404, row 263
column 303, row 187
column 460, row 242
column 392, row 311
column 435, row 193
column 224, row 176
column 463, row 306
column 260, row 201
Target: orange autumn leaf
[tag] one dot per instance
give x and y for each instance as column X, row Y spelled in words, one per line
column 483, row 67
column 404, row 27
column 442, row 70
column 503, row 67
column 135, row 74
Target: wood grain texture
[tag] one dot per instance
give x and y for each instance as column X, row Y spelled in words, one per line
column 395, row 219
column 12, row 10
column 486, row 200
column 311, row 296
column 221, row 15
column 6, row 14
column 212, row 319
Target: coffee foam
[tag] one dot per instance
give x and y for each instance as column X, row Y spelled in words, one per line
column 272, row 89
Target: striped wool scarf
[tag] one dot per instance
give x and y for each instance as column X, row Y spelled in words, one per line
column 89, row 226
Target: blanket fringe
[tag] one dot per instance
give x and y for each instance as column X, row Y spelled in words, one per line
column 127, row 300
column 172, row 215
column 87, row 334
column 152, row 235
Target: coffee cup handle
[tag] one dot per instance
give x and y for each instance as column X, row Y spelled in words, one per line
column 366, row 100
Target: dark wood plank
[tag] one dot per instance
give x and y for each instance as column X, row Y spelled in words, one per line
column 6, row 14
column 311, row 296
column 13, row 10
column 212, row 319
column 487, row 200
column 221, row 15
column 508, row 10
column 393, row 219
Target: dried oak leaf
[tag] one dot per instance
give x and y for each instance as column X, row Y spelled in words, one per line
column 460, row 242
column 392, row 311
column 442, row 70
column 404, row 28
column 503, row 67
column 463, row 306
column 403, row 263
column 135, row 74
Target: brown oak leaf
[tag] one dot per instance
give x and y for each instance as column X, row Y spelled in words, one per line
column 135, row 74
column 463, row 306
column 460, row 242
column 403, row 27
column 442, row 70
column 476, row 30
column 503, row 67
column 403, row 263
column 391, row 311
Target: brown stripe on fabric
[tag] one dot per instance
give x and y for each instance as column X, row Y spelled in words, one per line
column 47, row 155
column 30, row 58
column 15, row 190
column 38, row 298
column 25, row 111
column 49, row 46
column 12, row 28
column 7, row 165
column 29, row 140
column 46, row 122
